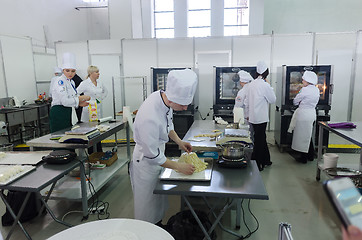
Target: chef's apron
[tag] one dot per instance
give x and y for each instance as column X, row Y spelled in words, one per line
column 60, row 118
column 303, row 129
column 148, row 206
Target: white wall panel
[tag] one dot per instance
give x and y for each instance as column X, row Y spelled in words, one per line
column 19, row 68
column 337, row 50
column 213, row 44
column 112, row 46
column 44, row 71
column 248, row 50
column 138, row 58
column 3, row 88
column 80, row 50
column 109, row 66
column 357, row 96
column 175, row 52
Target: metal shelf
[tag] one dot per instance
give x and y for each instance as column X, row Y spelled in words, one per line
column 69, row 187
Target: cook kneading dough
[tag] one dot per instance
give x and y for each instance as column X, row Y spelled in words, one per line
column 193, row 159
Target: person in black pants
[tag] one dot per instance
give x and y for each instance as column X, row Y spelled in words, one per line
column 260, row 94
column 77, row 80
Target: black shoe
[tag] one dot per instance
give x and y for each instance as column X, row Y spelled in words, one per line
column 301, row 160
column 268, row 163
column 261, row 167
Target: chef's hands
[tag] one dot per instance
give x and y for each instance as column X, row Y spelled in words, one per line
column 352, row 233
column 83, row 100
column 186, row 146
column 186, row 168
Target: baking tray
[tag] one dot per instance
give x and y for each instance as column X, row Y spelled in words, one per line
column 169, row 174
column 25, row 170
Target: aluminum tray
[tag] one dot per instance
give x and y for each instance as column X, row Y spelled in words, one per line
column 169, row 174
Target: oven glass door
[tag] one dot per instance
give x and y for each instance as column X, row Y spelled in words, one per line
column 294, row 82
column 227, row 83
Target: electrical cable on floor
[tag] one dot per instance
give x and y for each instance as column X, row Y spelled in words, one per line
column 97, row 206
column 257, row 222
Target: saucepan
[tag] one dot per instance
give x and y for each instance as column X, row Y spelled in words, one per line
column 233, row 149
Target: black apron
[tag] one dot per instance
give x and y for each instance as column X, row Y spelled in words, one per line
column 60, row 118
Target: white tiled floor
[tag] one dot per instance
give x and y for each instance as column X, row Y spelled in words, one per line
column 295, row 197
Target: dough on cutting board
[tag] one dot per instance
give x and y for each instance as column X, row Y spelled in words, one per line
column 193, row 159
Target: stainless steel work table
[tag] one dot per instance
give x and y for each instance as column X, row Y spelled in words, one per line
column 233, row 183
column 115, row 126
column 353, row 135
column 203, row 127
column 36, row 180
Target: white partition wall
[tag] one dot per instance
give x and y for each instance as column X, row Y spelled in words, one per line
column 248, row 50
column 337, row 49
column 44, row 71
column 175, row 52
column 19, row 68
column 138, row 58
column 357, row 96
column 3, row 88
column 209, row 52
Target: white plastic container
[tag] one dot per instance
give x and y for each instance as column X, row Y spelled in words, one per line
column 330, row 160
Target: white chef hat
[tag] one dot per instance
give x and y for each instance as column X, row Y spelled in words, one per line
column 310, row 77
column 181, row 86
column 261, row 67
column 244, row 76
column 69, row 61
column 57, row 70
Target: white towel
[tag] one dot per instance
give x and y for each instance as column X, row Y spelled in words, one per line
column 293, row 121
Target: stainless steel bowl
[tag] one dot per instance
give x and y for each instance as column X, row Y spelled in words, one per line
column 233, row 149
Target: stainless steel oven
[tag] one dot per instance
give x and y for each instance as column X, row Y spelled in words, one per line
column 289, row 83
column 226, row 88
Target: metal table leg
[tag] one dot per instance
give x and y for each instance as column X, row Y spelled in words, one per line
column 320, row 145
column 45, row 205
column 83, row 186
column 207, row 236
column 16, row 218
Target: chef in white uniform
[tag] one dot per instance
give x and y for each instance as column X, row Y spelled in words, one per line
column 244, row 79
column 65, row 96
column 304, row 116
column 260, row 95
column 94, row 88
column 152, row 129
column 57, row 73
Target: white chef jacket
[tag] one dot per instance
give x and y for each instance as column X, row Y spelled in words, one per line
column 98, row 92
column 260, row 94
column 307, row 97
column 64, row 93
column 53, row 82
column 240, row 99
column 304, row 117
column 151, row 128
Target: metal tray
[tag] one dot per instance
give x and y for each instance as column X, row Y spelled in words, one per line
column 169, row 174
column 25, row 170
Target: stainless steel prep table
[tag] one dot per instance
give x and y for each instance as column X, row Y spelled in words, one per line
column 45, row 142
column 353, row 135
column 43, row 176
column 203, row 127
column 233, row 183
